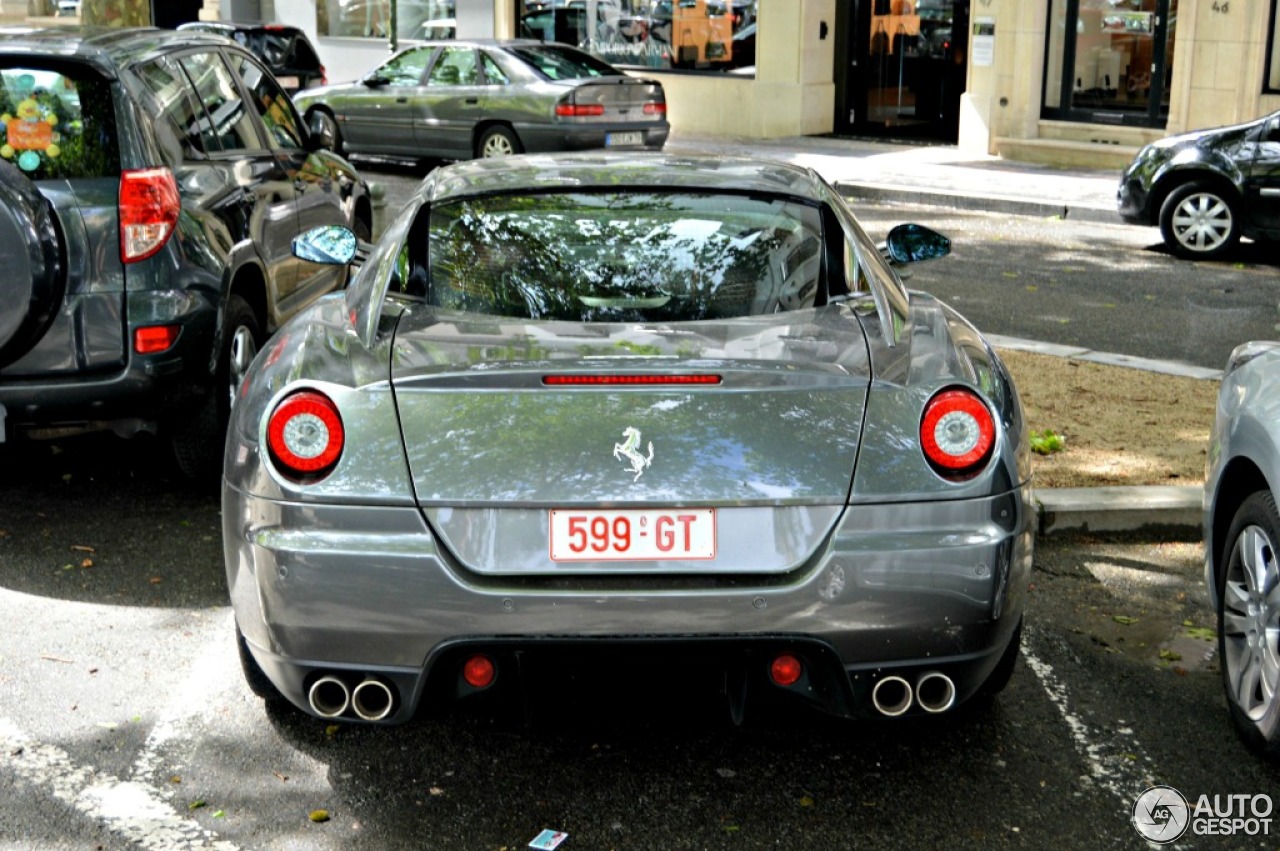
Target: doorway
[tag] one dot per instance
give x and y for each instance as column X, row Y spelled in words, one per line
column 902, row 66
column 1110, row 61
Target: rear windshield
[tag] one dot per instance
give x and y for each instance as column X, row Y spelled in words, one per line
column 57, row 121
column 625, row 257
column 564, row 63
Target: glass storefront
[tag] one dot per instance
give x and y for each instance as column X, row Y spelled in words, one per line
column 701, row 35
column 1110, row 61
column 415, row 19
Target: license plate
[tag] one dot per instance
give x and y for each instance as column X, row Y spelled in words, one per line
column 632, row 138
column 287, row 82
column 633, row 534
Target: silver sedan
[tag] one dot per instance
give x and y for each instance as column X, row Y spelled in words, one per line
column 464, row 99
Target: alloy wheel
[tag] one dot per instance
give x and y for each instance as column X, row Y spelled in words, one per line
column 1251, row 623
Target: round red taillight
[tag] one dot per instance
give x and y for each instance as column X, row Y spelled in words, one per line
column 957, row 431
column 479, row 671
column 305, row 434
column 786, row 670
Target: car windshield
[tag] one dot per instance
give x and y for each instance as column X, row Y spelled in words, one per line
column 57, row 121
column 563, row 63
column 625, row 256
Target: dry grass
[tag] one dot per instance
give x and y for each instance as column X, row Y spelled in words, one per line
column 1121, row 426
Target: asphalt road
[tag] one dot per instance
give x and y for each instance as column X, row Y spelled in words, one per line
column 124, row 722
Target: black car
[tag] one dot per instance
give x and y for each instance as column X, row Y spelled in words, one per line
column 1208, row 188
column 151, row 185
column 284, row 49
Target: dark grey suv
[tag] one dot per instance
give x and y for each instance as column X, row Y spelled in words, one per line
column 151, row 183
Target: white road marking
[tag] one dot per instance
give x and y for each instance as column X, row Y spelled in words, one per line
column 1115, row 763
column 128, row 809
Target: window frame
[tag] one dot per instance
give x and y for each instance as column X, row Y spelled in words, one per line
column 1271, row 70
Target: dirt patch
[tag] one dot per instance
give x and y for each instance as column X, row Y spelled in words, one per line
column 1119, row 425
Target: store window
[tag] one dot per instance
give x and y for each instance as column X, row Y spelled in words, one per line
column 415, row 19
column 1110, row 61
column 696, row 35
column 1272, row 85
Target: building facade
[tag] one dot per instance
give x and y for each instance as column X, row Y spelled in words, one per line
column 1055, row 81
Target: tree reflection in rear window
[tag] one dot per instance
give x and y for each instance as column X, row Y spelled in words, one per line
column 625, row 257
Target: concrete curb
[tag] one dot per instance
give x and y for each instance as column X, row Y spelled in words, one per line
column 1156, row 511
column 983, row 203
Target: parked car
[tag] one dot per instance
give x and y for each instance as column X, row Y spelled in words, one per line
column 463, row 99
column 1242, row 540
column 150, row 184
column 285, row 50
column 1208, row 188
column 602, row 403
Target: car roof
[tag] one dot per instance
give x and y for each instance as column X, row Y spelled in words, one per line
column 106, row 48
column 241, row 26
column 492, row 42
column 595, row 170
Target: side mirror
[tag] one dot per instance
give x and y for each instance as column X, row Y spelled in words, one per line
column 328, row 245
column 320, row 133
column 912, row 243
column 375, row 80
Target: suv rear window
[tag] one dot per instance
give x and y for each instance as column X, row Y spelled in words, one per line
column 57, row 121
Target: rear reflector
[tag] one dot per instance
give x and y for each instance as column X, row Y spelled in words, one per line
column 957, row 432
column 575, row 110
column 479, row 672
column 155, row 338
column 148, row 210
column 626, row 380
column 786, row 670
column 305, row 435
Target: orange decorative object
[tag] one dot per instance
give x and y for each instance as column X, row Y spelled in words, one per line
column 26, row 135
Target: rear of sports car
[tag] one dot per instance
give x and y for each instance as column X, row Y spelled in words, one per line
column 627, row 427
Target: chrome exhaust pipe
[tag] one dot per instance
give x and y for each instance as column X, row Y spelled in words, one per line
column 329, row 697
column 935, row 692
column 372, row 700
column 891, row 695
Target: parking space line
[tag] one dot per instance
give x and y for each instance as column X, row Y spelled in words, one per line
column 128, row 809
column 1118, row 766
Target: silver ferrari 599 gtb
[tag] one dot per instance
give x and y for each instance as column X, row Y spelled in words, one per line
column 596, row 409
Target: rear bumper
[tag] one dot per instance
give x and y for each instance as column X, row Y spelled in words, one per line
column 368, row 591
column 565, row 137
column 146, row 389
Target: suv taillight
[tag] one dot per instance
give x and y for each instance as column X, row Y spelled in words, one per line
column 148, row 212
column 324, row 76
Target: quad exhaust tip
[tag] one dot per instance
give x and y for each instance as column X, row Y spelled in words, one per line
column 935, row 692
column 329, row 696
column 891, row 696
column 372, row 700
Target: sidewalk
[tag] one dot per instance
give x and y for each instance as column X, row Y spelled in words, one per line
column 941, row 175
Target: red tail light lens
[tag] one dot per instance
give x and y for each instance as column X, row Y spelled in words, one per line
column 655, row 109
column 785, row 670
column 148, row 212
column 155, row 338
column 578, row 110
column 957, row 432
column 305, row 435
column 479, row 672
column 324, row 76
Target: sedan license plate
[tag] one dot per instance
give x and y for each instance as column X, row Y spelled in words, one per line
column 632, row 138
column 288, row 82
column 633, row 534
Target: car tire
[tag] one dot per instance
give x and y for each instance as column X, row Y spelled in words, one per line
column 31, row 255
column 198, row 442
column 1248, row 591
column 332, row 124
column 497, row 141
column 1200, row 220
column 254, row 676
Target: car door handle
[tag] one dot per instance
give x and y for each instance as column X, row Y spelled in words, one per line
column 402, row 100
column 471, row 101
